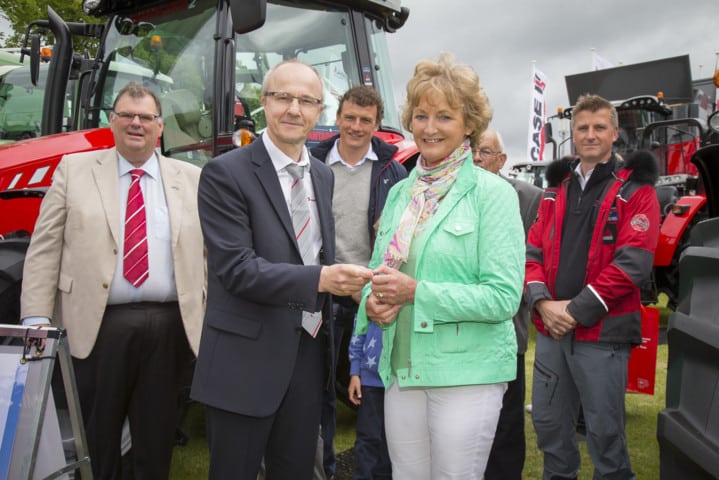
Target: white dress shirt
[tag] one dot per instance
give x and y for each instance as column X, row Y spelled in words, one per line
column 160, row 285
column 334, row 156
column 280, row 161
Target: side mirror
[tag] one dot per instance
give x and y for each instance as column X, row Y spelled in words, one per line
column 247, row 15
column 34, row 59
column 548, row 136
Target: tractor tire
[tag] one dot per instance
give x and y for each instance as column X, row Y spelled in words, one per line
column 12, row 259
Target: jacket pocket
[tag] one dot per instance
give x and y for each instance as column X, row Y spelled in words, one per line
column 458, row 237
column 544, row 383
column 232, row 323
column 453, row 338
column 64, row 283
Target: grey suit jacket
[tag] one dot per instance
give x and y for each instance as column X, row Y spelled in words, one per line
column 530, row 197
column 72, row 256
column 257, row 283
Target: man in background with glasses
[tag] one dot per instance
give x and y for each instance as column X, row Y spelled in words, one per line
column 266, row 350
column 117, row 260
column 506, row 459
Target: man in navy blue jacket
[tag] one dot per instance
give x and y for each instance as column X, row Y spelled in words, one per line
column 364, row 172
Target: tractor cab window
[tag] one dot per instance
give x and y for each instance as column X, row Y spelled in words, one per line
column 320, row 38
column 21, row 103
column 381, row 59
column 172, row 52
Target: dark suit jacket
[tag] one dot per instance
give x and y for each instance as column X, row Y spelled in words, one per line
column 257, row 284
column 529, row 198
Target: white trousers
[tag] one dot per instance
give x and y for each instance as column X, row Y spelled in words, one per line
column 442, row 432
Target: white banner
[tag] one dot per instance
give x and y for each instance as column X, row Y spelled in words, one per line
column 537, row 117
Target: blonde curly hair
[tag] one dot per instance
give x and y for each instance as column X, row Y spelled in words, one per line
column 460, row 85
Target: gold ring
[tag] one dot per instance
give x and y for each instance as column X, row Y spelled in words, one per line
column 379, row 295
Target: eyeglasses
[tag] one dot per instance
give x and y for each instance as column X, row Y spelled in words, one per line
column 485, row 152
column 285, row 99
column 128, row 117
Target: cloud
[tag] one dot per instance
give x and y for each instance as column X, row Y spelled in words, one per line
column 502, row 39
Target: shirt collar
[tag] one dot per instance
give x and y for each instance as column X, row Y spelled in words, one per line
column 600, row 171
column 335, row 157
column 151, row 166
column 279, row 159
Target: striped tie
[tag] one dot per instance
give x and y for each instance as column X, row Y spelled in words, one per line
column 300, row 210
column 135, row 266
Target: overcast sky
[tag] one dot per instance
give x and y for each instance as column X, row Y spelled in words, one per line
column 502, row 39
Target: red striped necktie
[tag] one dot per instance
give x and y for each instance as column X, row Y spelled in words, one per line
column 300, row 210
column 135, row 266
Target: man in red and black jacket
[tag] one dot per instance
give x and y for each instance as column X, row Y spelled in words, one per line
column 588, row 253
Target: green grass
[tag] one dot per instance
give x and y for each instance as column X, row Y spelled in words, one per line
column 190, row 461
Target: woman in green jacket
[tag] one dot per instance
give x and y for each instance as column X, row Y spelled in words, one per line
column 449, row 266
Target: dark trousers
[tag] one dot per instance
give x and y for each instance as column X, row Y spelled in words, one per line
column 371, row 456
column 343, row 319
column 287, row 439
column 134, row 370
column 506, row 459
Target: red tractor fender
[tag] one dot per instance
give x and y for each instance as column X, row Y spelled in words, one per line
column 29, row 164
column 407, row 152
column 674, row 226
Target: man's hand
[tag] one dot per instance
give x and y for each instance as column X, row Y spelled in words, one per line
column 381, row 313
column 38, row 343
column 355, row 390
column 393, row 287
column 557, row 319
column 343, row 279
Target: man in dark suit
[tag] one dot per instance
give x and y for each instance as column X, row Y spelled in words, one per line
column 132, row 326
column 266, row 349
column 506, row 459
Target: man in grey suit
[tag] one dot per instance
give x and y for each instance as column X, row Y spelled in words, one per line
column 506, row 460
column 132, row 326
column 266, row 349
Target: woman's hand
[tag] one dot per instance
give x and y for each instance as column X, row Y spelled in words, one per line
column 381, row 313
column 393, row 287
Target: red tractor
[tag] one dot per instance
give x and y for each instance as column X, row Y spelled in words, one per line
column 206, row 60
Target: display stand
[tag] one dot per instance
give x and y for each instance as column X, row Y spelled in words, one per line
column 31, row 446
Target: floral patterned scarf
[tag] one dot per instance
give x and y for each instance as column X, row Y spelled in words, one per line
column 428, row 189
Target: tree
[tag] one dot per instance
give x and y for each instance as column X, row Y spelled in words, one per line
column 21, row 13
